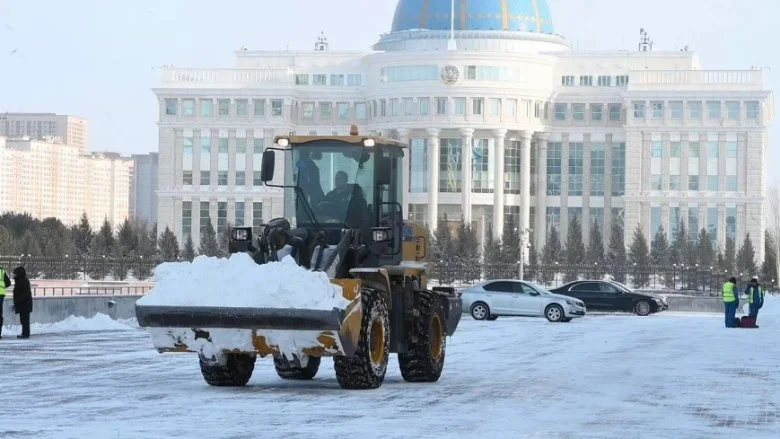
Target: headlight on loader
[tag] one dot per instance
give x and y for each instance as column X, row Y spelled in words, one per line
column 380, row 235
column 240, row 234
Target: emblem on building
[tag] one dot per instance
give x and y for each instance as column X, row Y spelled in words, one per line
column 450, row 74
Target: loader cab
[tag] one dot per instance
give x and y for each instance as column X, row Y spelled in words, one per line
column 339, row 183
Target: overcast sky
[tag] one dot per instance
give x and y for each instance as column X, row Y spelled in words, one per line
column 99, row 60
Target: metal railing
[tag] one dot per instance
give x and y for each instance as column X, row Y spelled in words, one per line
column 90, row 291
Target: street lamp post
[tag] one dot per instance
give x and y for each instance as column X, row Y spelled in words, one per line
column 524, row 245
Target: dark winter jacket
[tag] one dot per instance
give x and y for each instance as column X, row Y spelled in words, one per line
column 23, row 302
column 755, row 296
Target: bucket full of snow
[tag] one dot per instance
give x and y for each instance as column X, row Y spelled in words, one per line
column 234, row 305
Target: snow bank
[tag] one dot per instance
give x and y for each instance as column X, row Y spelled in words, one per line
column 239, row 282
column 99, row 322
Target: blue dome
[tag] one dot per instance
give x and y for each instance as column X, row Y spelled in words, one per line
column 506, row 15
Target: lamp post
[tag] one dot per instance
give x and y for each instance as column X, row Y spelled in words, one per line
column 524, row 246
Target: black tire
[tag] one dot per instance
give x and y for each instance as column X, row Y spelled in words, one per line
column 229, row 370
column 424, row 361
column 480, row 311
column 554, row 313
column 288, row 371
column 492, row 318
column 367, row 367
column 643, row 308
column 566, row 320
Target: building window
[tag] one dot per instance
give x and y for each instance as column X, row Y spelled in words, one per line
column 186, row 179
column 223, row 145
column 382, row 107
column 694, row 150
column 320, row 79
column 713, row 110
column 441, row 105
column 259, row 105
column 655, row 220
column 354, row 80
column 222, row 178
column 326, row 110
column 360, row 111
column 554, row 165
column 731, row 223
column 256, row 178
column 408, row 107
column 257, row 216
column 621, row 80
column 731, row 183
column 605, row 81
column 731, row 150
column 614, row 112
column 512, row 213
column 476, row 106
column 224, row 107
column 618, row 169
column 308, row 111
column 337, row 80
column 512, row 168
column 186, row 219
column 483, row 166
column 560, row 112
column 639, row 110
column 675, row 220
column 658, row 110
column 656, row 183
column 418, row 166
column 205, row 177
column 693, row 183
column 693, row 223
column 206, row 107
column 578, row 111
column 241, row 107
column 676, row 110
column 598, row 165
column 752, row 110
column 712, row 183
column 460, row 106
column 276, row 107
column 694, row 110
column 675, row 150
column 171, row 105
column 658, row 150
column 596, row 112
column 713, row 150
column 221, row 216
column 205, row 216
column 395, row 111
column 576, row 164
column 674, row 183
column 188, row 107
column 567, row 81
column 450, row 165
column 239, row 216
column 495, row 107
column 240, row 178
column 712, row 223
column 425, row 106
column 410, row 73
column 259, row 146
column 553, row 219
column 732, row 110
column 586, row 81
column 302, row 79
column 418, row 213
column 512, row 104
column 343, row 109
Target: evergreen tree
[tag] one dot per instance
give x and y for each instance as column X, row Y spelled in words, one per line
column 127, row 239
column 83, row 235
column 705, row 251
column 146, row 251
column 746, row 258
column 575, row 250
column 491, row 255
column 7, row 242
column 188, row 253
column 30, row 248
column 107, row 240
column 208, row 241
column 119, row 263
column 639, row 257
column 169, row 246
column 100, row 252
column 223, row 236
column 595, row 256
column 467, row 250
column 769, row 266
column 552, row 254
column 660, row 257
column 55, row 241
column 730, row 258
column 616, row 255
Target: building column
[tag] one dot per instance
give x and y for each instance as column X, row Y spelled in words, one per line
column 525, row 191
column 541, row 189
column 467, row 135
column 403, row 136
column 498, row 183
column 433, row 178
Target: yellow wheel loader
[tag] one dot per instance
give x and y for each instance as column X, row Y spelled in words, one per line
column 343, row 196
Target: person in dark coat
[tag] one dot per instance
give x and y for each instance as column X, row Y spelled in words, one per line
column 5, row 282
column 23, row 302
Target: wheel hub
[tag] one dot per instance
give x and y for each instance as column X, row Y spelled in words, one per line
column 437, row 336
column 377, row 343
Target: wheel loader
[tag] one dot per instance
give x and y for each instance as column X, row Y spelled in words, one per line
column 342, row 216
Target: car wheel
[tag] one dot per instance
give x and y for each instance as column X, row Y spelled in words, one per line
column 642, row 308
column 492, row 318
column 566, row 320
column 554, row 313
column 480, row 311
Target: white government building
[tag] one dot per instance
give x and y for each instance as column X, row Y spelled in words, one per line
column 634, row 136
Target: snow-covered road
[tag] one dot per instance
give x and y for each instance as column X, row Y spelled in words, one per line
column 664, row 376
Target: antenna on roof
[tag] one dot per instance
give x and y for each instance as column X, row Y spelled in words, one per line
column 645, row 43
column 322, row 43
column 451, row 44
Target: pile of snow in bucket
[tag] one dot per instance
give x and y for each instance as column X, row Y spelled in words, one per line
column 239, row 282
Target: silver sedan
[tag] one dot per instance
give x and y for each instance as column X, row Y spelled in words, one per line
column 491, row 299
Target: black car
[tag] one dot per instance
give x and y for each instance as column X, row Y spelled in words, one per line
column 613, row 296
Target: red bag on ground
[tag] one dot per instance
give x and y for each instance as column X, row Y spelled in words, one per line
column 747, row 322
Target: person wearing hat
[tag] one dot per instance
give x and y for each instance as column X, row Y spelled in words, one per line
column 23, row 301
column 755, row 300
column 731, row 302
column 5, row 282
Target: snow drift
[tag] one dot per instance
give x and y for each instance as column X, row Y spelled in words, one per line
column 238, row 281
column 100, row 322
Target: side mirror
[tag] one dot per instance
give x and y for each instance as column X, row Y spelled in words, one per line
column 267, row 166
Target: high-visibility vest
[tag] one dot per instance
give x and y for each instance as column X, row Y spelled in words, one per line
column 728, row 292
column 753, row 292
column 2, row 282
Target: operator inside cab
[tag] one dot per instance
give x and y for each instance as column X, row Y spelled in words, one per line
column 351, row 197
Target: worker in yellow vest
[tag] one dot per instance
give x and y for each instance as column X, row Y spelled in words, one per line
column 755, row 299
column 731, row 302
column 5, row 282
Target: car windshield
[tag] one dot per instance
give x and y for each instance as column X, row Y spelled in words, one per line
column 538, row 288
column 623, row 286
column 335, row 179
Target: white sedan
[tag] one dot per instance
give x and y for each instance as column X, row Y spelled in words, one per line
column 491, row 299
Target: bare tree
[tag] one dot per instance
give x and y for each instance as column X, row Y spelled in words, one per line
column 774, row 222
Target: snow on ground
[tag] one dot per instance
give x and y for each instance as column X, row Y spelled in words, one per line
column 240, row 282
column 664, row 376
column 100, row 322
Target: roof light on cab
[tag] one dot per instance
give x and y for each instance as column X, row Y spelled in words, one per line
column 369, row 142
column 283, row 142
